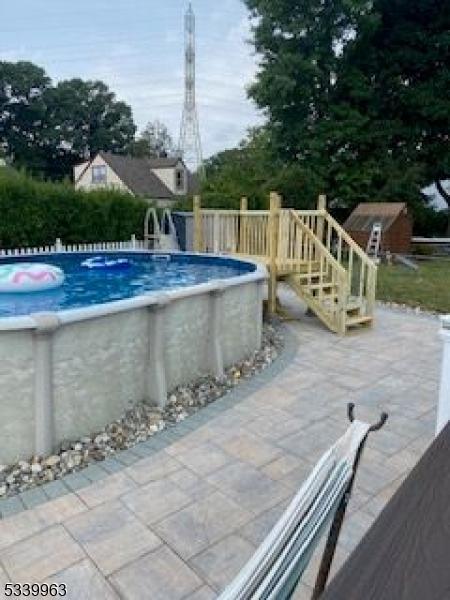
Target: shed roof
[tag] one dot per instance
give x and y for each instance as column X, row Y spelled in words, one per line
column 367, row 213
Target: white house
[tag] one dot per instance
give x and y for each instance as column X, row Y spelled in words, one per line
column 162, row 180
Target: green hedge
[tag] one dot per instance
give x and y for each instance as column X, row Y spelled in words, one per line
column 35, row 213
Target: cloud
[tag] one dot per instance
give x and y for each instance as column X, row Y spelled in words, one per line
column 145, row 67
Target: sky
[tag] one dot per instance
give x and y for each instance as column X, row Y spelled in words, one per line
column 137, row 48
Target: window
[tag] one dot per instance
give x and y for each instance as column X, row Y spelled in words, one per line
column 179, row 180
column 99, row 174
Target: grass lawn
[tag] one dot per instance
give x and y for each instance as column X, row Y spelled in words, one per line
column 428, row 288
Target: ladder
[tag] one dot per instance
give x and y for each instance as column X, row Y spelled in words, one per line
column 160, row 236
column 168, row 237
column 374, row 243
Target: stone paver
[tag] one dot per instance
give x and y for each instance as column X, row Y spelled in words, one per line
column 205, row 459
column 204, row 593
column 30, row 522
column 250, row 488
column 112, row 536
column 84, row 581
column 160, row 575
column 219, row 564
column 194, row 528
column 40, row 556
column 158, row 466
column 177, row 517
column 107, row 489
column 155, row 500
column 3, row 579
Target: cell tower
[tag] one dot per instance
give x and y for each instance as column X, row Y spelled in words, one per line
column 190, row 146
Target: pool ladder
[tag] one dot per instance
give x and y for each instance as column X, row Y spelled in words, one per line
column 160, row 235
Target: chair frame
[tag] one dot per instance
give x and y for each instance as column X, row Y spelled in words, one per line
column 336, row 525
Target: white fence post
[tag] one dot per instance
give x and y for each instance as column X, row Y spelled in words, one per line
column 133, row 241
column 444, row 395
column 58, row 245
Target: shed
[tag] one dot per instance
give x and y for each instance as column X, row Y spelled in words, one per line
column 394, row 218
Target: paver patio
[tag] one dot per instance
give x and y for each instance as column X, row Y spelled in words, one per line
column 180, row 523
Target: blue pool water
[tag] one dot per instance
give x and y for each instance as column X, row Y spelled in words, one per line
column 146, row 273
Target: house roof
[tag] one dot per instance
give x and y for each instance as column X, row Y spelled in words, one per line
column 167, row 162
column 136, row 174
column 367, row 213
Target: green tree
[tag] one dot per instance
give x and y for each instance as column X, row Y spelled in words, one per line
column 391, row 112
column 155, row 141
column 84, row 117
column 242, row 171
column 253, row 170
column 357, row 93
column 299, row 44
column 22, row 113
column 47, row 129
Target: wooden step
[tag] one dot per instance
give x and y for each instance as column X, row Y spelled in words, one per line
column 353, row 305
column 312, row 275
column 359, row 320
column 320, row 286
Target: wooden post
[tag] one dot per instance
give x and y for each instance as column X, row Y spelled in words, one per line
column 371, row 290
column 243, row 226
column 274, row 216
column 342, row 304
column 198, row 225
column 321, row 205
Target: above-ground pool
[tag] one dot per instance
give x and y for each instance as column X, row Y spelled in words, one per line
column 135, row 274
column 75, row 358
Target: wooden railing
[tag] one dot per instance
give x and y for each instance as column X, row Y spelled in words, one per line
column 294, row 243
column 326, row 275
column 361, row 270
column 290, row 242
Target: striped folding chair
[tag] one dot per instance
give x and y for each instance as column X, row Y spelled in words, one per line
column 275, row 569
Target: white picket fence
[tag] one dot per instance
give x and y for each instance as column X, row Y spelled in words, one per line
column 58, row 246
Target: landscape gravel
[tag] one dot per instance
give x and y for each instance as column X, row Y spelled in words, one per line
column 139, row 423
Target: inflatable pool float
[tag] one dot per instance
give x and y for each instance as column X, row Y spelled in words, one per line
column 103, row 262
column 19, row 278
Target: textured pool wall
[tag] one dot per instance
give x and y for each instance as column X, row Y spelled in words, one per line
column 65, row 375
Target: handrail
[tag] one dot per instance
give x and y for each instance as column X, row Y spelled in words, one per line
column 308, row 248
column 221, row 211
column 349, row 240
column 259, row 213
column 311, row 213
column 318, row 243
column 233, row 212
column 151, row 213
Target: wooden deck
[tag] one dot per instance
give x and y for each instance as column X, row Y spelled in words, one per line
column 308, row 250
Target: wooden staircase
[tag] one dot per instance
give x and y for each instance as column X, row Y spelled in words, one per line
column 307, row 250
column 341, row 295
